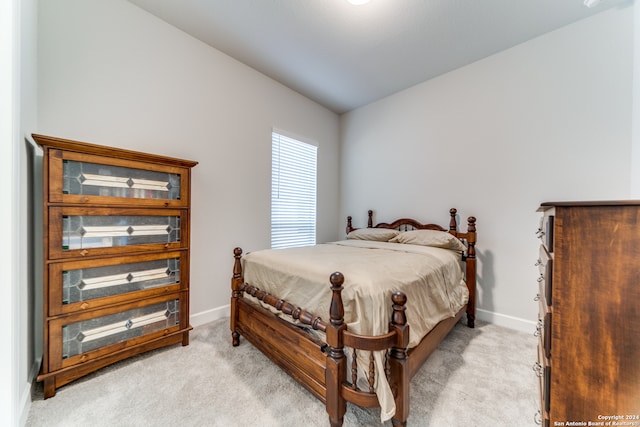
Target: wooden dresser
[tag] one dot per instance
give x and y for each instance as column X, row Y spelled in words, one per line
column 589, row 314
column 116, row 256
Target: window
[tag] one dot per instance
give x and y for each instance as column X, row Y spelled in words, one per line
column 293, row 192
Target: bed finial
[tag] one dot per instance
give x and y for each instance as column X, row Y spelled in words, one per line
column 237, row 267
column 336, row 311
column 370, row 221
column 453, row 225
column 471, row 223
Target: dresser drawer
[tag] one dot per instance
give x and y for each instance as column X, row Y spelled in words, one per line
column 543, row 371
column 542, row 293
column 545, row 230
column 81, row 178
column 82, row 285
column 542, row 300
column 543, row 329
column 82, row 233
column 87, row 336
column 546, row 333
column 545, row 274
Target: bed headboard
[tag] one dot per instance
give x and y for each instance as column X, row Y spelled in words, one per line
column 406, row 224
column 468, row 237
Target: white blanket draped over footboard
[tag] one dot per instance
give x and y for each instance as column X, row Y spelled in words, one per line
column 432, row 278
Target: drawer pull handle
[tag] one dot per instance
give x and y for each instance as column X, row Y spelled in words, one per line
column 537, row 368
column 541, row 278
column 537, row 418
column 537, row 297
column 539, row 327
column 84, row 252
column 166, row 245
column 540, row 233
column 84, row 306
column 538, row 262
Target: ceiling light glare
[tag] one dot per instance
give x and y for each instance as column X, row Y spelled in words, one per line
column 358, row 2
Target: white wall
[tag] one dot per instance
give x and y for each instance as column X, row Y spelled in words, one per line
column 635, row 152
column 17, row 116
column 9, row 47
column 547, row 120
column 112, row 74
column 27, row 247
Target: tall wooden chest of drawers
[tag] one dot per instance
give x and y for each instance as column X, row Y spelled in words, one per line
column 116, row 256
column 589, row 313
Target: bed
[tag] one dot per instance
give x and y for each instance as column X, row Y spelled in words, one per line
column 353, row 320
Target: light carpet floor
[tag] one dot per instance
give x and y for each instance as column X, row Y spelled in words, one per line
column 477, row 377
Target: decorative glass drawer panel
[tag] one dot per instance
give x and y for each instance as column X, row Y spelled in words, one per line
column 88, row 231
column 85, row 336
column 81, row 285
column 93, row 179
column 83, row 233
column 99, row 282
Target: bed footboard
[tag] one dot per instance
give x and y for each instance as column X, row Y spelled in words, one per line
column 319, row 367
column 395, row 343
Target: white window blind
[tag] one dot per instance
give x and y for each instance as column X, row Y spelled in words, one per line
column 293, row 192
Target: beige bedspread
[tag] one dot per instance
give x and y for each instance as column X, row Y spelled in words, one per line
column 432, row 279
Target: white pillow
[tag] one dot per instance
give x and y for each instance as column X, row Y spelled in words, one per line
column 434, row 238
column 377, row 234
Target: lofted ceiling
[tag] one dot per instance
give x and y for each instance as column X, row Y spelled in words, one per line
column 344, row 56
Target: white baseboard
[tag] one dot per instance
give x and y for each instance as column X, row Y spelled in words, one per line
column 24, row 404
column 511, row 322
column 207, row 316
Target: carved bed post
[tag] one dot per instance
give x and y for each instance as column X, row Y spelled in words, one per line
column 336, row 361
column 370, row 220
column 236, row 293
column 398, row 362
column 471, row 271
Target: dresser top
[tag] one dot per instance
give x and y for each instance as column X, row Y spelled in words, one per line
column 547, row 205
column 85, row 147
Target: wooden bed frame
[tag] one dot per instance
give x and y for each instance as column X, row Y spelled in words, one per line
column 322, row 367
